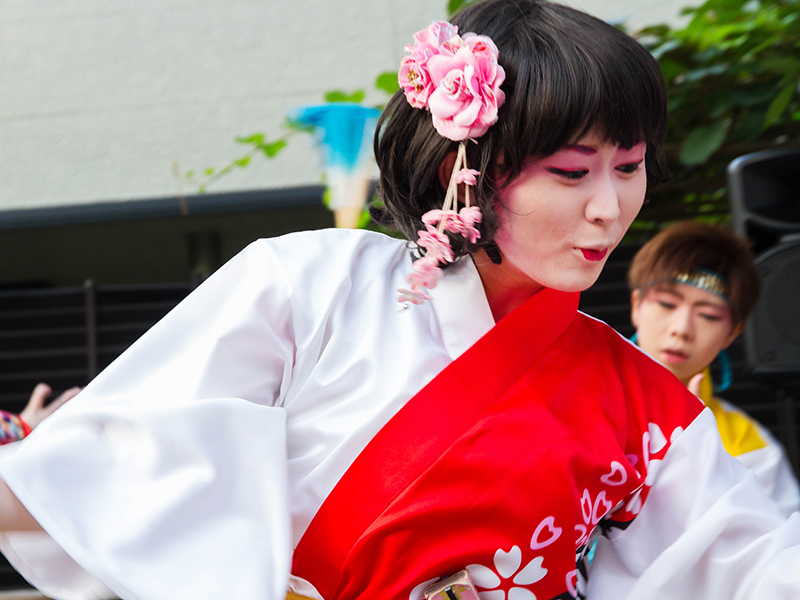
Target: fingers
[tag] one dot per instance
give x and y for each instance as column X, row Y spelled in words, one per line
column 35, row 411
column 61, row 399
column 695, row 383
column 40, row 393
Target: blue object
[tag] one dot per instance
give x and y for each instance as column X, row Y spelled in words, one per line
column 726, row 372
column 341, row 126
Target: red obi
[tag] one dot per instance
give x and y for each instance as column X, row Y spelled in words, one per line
column 504, row 464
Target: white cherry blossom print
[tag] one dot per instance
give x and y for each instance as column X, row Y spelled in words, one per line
column 652, row 472
column 507, row 566
column 545, row 534
column 616, row 477
column 657, row 438
column 634, row 505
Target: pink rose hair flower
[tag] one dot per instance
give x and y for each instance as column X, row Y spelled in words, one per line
column 414, row 77
column 467, row 91
column 457, row 78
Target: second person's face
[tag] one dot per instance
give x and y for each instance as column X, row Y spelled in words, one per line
column 565, row 213
column 682, row 327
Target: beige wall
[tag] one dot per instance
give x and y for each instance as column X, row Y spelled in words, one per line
column 100, row 97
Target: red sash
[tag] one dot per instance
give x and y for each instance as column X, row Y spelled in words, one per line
column 503, row 464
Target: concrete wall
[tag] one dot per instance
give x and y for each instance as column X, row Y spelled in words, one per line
column 100, row 98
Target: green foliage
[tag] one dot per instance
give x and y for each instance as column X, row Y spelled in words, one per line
column 732, row 77
column 259, row 144
column 387, row 82
column 356, row 97
column 453, row 6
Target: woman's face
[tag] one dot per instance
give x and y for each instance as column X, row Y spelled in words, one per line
column 565, row 213
column 683, row 327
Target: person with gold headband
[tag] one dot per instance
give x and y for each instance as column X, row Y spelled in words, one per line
column 692, row 288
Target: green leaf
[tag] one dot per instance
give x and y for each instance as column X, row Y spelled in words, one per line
column 242, row 162
column 453, row 6
column 209, row 171
column 750, row 96
column 387, row 82
column 356, row 97
column 671, row 69
column 702, row 142
column 190, row 174
column 270, row 150
column 698, row 74
column 749, row 126
column 796, row 115
column 294, row 125
column 667, row 46
column 256, row 138
column 779, row 104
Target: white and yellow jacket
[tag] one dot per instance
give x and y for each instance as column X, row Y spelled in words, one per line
column 744, row 438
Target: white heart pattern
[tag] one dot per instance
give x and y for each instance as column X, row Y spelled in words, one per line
column 572, row 583
column 552, row 533
column 657, row 438
column 617, row 476
column 601, row 507
column 586, row 506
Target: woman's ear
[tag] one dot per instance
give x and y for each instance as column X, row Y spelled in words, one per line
column 446, row 168
column 737, row 331
column 635, row 308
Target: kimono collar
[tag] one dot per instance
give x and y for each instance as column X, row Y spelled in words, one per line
column 464, row 315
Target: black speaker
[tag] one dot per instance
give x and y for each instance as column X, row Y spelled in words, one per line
column 765, row 206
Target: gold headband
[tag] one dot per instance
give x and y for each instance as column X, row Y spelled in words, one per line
column 705, row 279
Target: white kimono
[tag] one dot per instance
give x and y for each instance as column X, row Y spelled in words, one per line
column 192, row 465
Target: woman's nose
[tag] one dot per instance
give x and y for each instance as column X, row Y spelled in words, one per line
column 681, row 324
column 603, row 206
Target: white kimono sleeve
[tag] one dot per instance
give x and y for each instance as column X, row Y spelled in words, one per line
column 166, row 477
column 708, row 531
column 774, row 471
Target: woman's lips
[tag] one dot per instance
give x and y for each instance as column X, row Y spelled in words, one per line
column 673, row 356
column 594, row 255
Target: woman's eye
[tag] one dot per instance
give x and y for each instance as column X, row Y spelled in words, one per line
column 571, row 175
column 712, row 318
column 665, row 304
column 629, row 167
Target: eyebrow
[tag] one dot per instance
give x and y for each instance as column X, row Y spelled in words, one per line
column 580, row 149
column 702, row 303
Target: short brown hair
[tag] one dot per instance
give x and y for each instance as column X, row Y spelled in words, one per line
column 692, row 245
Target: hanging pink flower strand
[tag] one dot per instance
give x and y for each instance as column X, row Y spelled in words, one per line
column 458, row 80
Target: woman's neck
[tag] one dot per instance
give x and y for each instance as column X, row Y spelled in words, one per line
column 506, row 286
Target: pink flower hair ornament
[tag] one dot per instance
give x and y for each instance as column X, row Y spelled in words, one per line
column 456, row 78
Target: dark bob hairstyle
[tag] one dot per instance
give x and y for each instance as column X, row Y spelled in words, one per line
column 566, row 73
